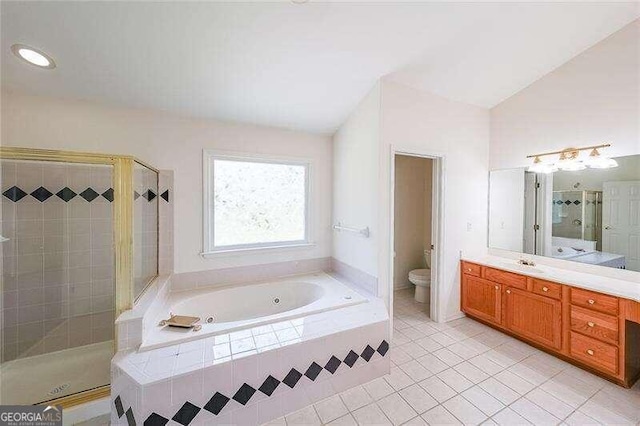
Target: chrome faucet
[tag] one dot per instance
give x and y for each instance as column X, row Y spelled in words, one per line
column 526, row 262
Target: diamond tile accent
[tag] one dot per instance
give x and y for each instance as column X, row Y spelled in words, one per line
column 333, row 364
column 41, row 194
column 131, row 420
column 186, row 413
column 216, row 403
column 66, row 194
column 351, row 358
column 383, row 348
column 367, row 353
column 155, row 420
column 244, row 394
column 108, row 194
column 89, row 194
column 149, row 195
column 165, row 195
column 292, row 378
column 118, row 404
column 136, row 195
column 15, row 194
column 269, row 385
column 313, row 371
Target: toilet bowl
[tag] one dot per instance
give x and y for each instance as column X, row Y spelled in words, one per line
column 422, row 280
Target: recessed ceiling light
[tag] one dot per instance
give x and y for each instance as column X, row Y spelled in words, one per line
column 33, row 56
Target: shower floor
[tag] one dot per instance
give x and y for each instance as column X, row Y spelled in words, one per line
column 30, row 380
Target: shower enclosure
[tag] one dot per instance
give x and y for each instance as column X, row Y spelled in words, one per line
column 79, row 244
column 578, row 215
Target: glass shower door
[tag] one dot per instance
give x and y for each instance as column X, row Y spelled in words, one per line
column 58, row 282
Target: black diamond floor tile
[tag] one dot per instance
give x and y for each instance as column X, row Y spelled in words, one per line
column 41, row 194
column 15, row 194
column 118, row 403
column 131, row 420
column 292, row 378
column 269, row 385
column 383, row 348
column 216, row 403
column 89, row 194
column 367, row 353
column 186, row 413
column 351, row 358
column 244, row 394
column 66, row 194
column 155, row 420
column 313, row 371
column 333, row 364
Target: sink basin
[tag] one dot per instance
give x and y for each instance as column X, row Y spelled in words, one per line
column 523, row 268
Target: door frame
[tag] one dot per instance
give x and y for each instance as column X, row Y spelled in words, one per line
column 437, row 225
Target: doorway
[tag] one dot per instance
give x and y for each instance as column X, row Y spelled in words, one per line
column 414, row 234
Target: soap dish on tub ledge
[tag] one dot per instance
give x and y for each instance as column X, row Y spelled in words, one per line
column 182, row 321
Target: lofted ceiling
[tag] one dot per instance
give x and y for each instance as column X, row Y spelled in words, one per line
column 301, row 66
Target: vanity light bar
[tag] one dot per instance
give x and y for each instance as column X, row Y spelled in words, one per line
column 569, row 161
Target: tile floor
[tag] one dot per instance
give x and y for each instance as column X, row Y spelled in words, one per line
column 463, row 372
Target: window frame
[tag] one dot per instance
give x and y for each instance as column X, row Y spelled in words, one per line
column 209, row 157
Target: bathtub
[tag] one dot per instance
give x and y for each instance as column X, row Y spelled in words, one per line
column 232, row 308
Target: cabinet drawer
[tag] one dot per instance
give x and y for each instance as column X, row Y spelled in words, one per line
column 595, row 353
column 596, row 301
column 507, row 278
column 471, row 269
column 594, row 324
column 546, row 288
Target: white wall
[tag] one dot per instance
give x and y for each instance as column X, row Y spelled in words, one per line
column 420, row 122
column 592, row 99
column 506, row 209
column 355, row 189
column 172, row 142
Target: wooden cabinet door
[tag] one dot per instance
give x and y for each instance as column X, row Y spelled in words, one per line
column 481, row 298
column 534, row 317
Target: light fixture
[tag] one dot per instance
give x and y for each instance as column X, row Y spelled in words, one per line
column 33, row 56
column 569, row 160
column 597, row 161
column 539, row 167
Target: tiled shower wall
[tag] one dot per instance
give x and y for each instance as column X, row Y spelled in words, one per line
column 58, row 265
column 145, row 227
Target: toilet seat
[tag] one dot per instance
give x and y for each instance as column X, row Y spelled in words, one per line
column 420, row 277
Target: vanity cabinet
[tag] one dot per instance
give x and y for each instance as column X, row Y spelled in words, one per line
column 598, row 332
column 534, row 317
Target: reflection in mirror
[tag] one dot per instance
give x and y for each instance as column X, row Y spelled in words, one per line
column 590, row 216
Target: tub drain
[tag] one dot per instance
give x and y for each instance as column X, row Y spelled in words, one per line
column 58, row 389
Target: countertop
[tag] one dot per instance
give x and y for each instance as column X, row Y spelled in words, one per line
column 612, row 286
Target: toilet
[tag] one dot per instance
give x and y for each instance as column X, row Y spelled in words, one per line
column 422, row 279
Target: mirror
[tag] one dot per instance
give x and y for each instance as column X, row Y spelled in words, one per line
column 590, row 216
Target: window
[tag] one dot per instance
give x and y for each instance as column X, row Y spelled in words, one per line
column 254, row 202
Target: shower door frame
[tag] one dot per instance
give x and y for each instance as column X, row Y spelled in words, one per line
column 122, row 233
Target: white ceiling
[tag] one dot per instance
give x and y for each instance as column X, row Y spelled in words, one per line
column 297, row 66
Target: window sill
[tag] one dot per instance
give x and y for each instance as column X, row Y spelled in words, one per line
column 255, row 250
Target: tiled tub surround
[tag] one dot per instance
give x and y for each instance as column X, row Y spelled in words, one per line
column 58, row 285
column 255, row 374
column 240, row 306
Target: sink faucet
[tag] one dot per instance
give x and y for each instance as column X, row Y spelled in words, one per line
column 526, row 262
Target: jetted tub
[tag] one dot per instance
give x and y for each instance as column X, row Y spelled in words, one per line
column 232, row 308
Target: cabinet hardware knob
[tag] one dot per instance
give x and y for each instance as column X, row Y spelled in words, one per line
column 497, row 287
column 590, row 351
column 545, row 289
column 468, row 269
column 508, row 291
column 591, row 324
column 591, row 301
